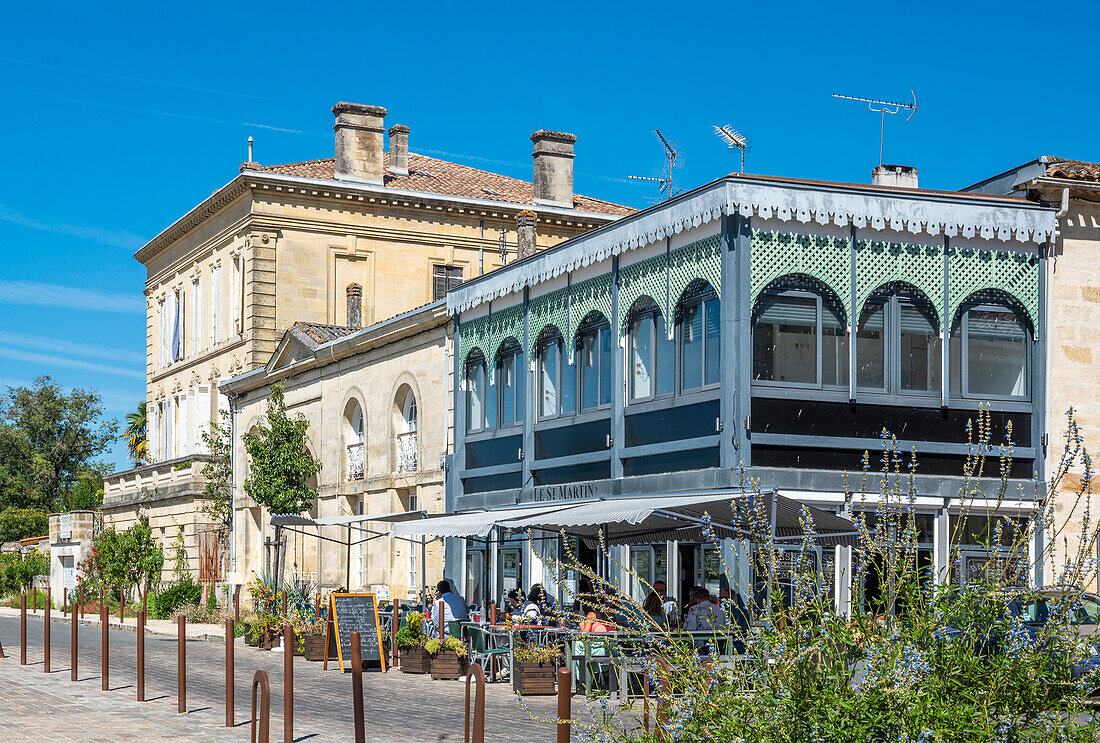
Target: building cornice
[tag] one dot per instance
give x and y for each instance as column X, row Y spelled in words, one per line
column 264, row 182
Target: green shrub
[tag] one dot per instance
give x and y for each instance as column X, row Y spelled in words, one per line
column 17, row 571
column 165, row 600
column 20, row 523
column 212, row 600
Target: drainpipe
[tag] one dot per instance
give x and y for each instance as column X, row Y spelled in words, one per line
column 233, row 483
column 1065, row 205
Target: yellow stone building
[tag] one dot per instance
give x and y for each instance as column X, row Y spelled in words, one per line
column 282, row 244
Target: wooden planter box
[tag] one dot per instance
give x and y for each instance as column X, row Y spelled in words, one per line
column 270, row 639
column 315, row 647
column 447, row 666
column 416, row 660
column 248, row 635
column 534, row 679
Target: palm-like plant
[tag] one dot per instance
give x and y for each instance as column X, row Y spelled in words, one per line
column 135, row 435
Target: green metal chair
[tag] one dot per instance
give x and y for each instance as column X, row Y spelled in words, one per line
column 483, row 650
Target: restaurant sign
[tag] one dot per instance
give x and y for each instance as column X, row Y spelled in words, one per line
column 571, row 491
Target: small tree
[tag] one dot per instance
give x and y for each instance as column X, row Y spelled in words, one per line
column 144, row 558
column 281, row 465
column 20, row 523
column 218, row 492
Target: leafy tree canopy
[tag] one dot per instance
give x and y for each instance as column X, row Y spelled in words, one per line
column 20, row 523
column 280, row 464
column 49, row 441
column 219, row 472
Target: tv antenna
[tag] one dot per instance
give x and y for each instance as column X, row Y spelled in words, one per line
column 884, row 107
column 672, row 158
column 733, row 139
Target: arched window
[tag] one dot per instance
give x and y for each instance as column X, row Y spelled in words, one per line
column 652, row 355
column 799, row 338
column 557, row 390
column 700, row 342
column 898, row 345
column 408, row 413
column 989, row 350
column 592, row 357
column 405, row 424
column 509, row 383
column 354, row 435
column 480, row 404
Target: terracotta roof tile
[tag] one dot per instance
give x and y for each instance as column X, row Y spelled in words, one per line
column 431, row 175
column 319, row 333
column 1078, row 169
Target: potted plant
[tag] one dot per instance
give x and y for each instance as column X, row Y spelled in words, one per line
column 449, row 657
column 534, row 667
column 410, row 645
column 266, row 631
column 311, row 636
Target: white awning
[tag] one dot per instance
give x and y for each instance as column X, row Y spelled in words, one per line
column 470, row 523
column 294, row 519
column 646, row 519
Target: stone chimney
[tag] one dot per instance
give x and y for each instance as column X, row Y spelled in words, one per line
column 355, row 306
column 553, row 167
column 902, row 176
column 399, row 149
column 359, row 142
column 525, row 233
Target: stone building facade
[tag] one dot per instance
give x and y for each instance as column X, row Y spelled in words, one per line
column 280, row 244
column 377, row 401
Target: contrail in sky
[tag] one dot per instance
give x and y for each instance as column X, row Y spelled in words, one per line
column 49, row 360
column 35, row 294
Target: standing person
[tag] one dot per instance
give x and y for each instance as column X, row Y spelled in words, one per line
column 454, row 607
column 704, row 614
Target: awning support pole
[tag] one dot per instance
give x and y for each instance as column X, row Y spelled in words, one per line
column 347, row 564
column 424, row 572
column 771, row 546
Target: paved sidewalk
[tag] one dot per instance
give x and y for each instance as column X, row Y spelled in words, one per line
column 399, row 708
column 161, row 627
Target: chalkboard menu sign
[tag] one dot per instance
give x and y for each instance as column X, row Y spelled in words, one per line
column 356, row 612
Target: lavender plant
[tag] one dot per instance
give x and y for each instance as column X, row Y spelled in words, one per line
column 921, row 658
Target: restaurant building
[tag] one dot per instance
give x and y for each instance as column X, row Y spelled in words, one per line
column 756, row 326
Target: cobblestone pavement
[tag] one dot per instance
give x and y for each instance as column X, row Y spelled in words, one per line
column 399, row 707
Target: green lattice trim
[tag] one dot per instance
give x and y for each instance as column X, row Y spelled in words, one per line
column 593, row 295
column 506, row 323
column 776, row 254
column 472, row 335
column 1016, row 274
column 646, row 278
column 549, row 309
column 879, row 263
column 699, row 260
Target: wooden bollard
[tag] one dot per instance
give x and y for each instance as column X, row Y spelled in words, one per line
column 230, row 636
column 46, row 634
column 393, row 632
column 357, row 688
column 23, row 628
column 105, row 646
column 476, row 734
column 565, row 692
column 288, row 682
column 72, row 646
column 181, row 665
column 141, row 656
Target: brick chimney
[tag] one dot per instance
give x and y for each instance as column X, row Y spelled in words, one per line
column 399, row 149
column 901, row 176
column 553, row 167
column 359, row 142
column 525, row 233
column 355, row 306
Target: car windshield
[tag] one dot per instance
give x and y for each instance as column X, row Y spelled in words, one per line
column 1036, row 610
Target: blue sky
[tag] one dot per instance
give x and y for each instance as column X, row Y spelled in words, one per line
column 118, row 118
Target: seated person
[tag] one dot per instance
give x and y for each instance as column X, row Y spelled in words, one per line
column 454, row 607
column 704, row 614
column 672, row 615
column 654, row 608
column 537, row 604
column 595, row 621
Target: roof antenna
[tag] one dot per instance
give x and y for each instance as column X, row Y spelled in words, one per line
column 733, row 138
column 884, row 108
column 250, row 149
column 672, row 158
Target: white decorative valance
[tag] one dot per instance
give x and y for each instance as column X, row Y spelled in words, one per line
column 902, row 212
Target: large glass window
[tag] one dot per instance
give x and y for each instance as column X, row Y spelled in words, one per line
column 700, row 342
column 593, row 361
column 557, row 379
column 476, row 393
column 989, row 353
column 509, row 381
column 871, row 347
column 652, row 355
column 799, row 338
column 898, row 343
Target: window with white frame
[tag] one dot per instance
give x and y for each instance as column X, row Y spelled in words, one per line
column 652, row 354
column 799, row 338
column 557, row 391
column 238, row 294
column 176, row 347
column 162, row 340
column 215, row 304
column 196, row 316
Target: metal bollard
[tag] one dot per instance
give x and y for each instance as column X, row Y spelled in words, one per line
column 105, row 646
column 357, row 688
column 181, row 665
column 565, row 692
column 121, row 607
column 82, row 602
column 288, row 682
column 492, row 613
column 23, row 628
column 230, row 636
column 442, row 621
column 72, row 647
column 237, row 604
column 34, row 600
column 46, row 634
column 64, row 602
column 260, row 681
column 393, row 633
column 141, row 656
column 477, row 734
